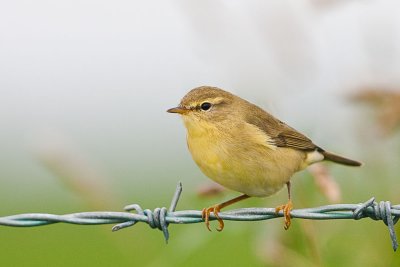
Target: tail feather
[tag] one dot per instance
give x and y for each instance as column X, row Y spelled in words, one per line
column 339, row 159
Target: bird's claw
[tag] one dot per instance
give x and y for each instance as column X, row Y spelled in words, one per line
column 205, row 215
column 286, row 213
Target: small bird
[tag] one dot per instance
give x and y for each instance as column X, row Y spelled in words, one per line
column 242, row 147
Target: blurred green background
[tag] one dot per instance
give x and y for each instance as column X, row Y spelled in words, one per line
column 84, row 88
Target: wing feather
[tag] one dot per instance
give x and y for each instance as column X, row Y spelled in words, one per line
column 279, row 132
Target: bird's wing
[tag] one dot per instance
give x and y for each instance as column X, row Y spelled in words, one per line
column 279, row 132
column 289, row 137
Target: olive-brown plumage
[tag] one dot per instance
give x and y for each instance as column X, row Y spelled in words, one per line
column 244, row 148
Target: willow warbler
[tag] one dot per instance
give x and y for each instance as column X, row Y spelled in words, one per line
column 244, row 148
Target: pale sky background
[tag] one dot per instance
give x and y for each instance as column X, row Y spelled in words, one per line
column 99, row 75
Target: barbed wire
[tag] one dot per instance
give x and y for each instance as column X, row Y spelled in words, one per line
column 160, row 218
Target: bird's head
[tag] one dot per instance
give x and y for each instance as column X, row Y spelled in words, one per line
column 204, row 107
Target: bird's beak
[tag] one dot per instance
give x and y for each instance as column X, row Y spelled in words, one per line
column 179, row 110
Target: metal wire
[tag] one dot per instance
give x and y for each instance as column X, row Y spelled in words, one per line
column 160, row 218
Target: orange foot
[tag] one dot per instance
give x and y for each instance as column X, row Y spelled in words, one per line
column 286, row 212
column 205, row 215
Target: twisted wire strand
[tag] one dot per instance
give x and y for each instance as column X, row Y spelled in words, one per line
column 160, row 218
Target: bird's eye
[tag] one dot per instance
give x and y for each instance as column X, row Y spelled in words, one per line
column 205, row 106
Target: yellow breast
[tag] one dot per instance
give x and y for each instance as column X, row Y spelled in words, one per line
column 250, row 164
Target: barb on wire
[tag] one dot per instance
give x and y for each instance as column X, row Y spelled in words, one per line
column 161, row 217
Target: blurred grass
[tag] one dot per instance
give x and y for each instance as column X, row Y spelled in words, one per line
column 306, row 243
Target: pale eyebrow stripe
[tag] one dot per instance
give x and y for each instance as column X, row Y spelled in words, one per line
column 215, row 101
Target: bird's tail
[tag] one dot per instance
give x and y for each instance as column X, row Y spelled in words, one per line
column 339, row 159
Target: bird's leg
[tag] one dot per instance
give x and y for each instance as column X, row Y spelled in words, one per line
column 205, row 215
column 286, row 208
